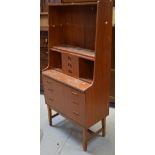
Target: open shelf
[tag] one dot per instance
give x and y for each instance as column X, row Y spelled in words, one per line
column 86, row 70
column 55, row 60
column 73, row 24
column 67, row 80
column 77, row 51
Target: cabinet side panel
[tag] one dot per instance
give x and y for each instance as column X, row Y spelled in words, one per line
column 97, row 96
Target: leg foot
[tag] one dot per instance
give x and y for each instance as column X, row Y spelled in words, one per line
column 49, row 115
column 85, row 139
column 103, row 127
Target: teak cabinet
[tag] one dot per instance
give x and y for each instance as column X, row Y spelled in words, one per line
column 77, row 79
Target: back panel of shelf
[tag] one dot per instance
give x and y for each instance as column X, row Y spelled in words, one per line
column 72, row 25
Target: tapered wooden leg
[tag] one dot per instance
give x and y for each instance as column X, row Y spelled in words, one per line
column 85, row 138
column 49, row 115
column 103, row 127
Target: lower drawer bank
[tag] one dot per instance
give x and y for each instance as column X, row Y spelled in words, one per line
column 64, row 99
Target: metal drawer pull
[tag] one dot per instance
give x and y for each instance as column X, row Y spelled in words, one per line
column 75, row 113
column 51, row 99
column 48, row 82
column 69, row 58
column 75, row 103
column 74, row 93
column 69, row 65
column 50, row 89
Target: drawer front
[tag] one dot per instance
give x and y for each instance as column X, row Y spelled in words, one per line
column 70, row 65
column 43, row 39
column 76, row 103
column 54, row 94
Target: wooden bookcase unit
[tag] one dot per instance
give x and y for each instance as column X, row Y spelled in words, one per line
column 77, row 79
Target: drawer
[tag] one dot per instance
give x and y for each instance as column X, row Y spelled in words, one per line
column 54, row 94
column 76, row 104
column 43, row 39
column 49, row 84
column 70, row 65
column 77, row 96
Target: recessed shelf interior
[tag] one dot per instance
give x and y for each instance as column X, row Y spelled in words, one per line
column 55, row 60
column 73, row 25
column 86, row 70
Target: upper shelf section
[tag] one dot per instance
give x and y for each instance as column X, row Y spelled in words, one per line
column 77, row 51
column 67, row 80
column 72, row 24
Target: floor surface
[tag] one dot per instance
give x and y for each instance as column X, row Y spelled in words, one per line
column 65, row 138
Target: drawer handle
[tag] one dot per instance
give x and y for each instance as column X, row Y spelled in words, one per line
column 69, row 58
column 51, row 99
column 48, row 82
column 69, row 65
column 75, row 113
column 74, row 93
column 75, row 103
column 50, row 89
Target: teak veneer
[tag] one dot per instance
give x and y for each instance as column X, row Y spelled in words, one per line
column 77, row 79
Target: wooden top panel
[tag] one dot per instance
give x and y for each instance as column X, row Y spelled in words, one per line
column 72, row 4
column 80, row 52
column 67, row 80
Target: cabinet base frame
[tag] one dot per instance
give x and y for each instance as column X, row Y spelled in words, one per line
column 87, row 133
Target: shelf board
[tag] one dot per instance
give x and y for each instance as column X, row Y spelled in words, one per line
column 86, row 80
column 67, row 80
column 43, row 28
column 43, row 13
column 77, row 51
column 72, row 4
